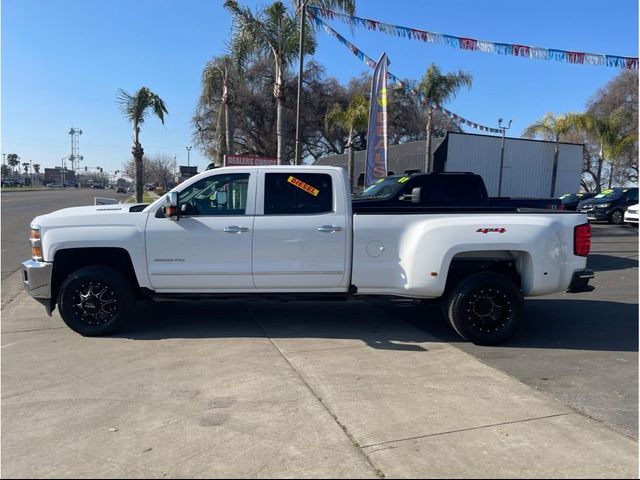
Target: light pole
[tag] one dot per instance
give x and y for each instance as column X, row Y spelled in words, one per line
column 301, row 11
column 62, row 171
column 503, row 129
column 188, row 154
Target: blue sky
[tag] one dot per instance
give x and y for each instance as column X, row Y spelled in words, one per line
column 64, row 60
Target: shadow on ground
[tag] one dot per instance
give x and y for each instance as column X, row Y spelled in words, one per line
column 348, row 320
column 551, row 323
column 603, row 263
column 565, row 324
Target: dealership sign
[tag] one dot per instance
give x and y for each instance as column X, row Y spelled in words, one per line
column 248, row 161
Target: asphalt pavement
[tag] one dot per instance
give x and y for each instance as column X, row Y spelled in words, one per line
column 18, row 208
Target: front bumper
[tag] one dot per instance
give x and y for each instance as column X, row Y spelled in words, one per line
column 36, row 279
column 597, row 214
column 580, row 281
column 631, row 217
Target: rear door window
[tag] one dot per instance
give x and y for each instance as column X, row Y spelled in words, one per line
column 298, row 193
column 462, row 189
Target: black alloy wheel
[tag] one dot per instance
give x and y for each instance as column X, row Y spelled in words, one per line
column 486, row 308
column 96, row 300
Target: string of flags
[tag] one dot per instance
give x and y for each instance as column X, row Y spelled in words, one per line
column 395, row 80
column 472, row 44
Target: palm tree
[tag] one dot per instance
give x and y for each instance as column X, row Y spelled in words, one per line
column 346, row 6
column 217, row 78
column 13, row 160
column 609, row 133
column 135, row 108
column 552, row 128
column 353, row 118
column 437, row 88
column 273, row 32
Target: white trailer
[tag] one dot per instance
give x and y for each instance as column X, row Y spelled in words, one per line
column 527, row 166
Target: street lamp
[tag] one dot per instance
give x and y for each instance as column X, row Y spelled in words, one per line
column 188, row 154
column 503, row 129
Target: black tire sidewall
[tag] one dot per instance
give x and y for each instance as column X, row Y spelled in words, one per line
column 116, row 281
column 621, row 217
column 461, row 322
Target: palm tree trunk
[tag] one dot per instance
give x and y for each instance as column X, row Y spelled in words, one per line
column 427, row 163
column 138, row 152
column 228, row 118
column 599, row 171
column 220, row 143
column 611, row 174
column 278, row 92
column 228, row 125
column 351, row 166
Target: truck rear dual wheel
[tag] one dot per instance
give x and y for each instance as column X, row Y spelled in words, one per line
column 96, row 300
column 485, row 308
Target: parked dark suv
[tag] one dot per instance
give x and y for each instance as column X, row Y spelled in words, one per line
column 570, row 201
column 610, row 205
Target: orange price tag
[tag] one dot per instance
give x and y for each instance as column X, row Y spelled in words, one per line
column 303, row 186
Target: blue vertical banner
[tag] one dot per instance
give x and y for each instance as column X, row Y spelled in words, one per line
column 377, row 144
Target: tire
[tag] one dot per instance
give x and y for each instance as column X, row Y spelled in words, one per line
column 96, row 300
column 486, row 308
column 616, row 217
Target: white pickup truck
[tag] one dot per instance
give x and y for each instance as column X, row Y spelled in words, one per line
column 295, row 232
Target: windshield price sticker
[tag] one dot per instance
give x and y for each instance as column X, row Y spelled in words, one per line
column 403, row 179
column 303, row 186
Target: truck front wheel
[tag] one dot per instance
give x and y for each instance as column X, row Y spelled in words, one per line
column 96, row 300
column 485, row 308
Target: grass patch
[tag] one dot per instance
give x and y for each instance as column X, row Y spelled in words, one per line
column 26, row 189
column 146, row 198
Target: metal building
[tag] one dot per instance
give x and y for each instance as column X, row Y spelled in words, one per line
column 527, row 164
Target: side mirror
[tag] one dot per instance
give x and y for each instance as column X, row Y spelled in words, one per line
column 414, row 197
column 171, row 206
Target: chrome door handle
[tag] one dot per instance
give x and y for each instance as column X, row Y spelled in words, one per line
column 329, row 228
column 235, row 229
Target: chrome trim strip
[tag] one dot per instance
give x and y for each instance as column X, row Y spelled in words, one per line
column 168, row 274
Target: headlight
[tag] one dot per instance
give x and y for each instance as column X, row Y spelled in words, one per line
column 36, row 243
column 603, row 205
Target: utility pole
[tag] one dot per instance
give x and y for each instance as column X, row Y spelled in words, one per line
column 503, row 129
column 301, row 11
column 188, row 154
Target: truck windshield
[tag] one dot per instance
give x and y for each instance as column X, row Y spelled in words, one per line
column 385, row 188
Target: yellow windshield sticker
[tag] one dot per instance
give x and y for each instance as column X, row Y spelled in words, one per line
column 403, row 179
column 381, row 180
column 303, row 186
column 607, row 192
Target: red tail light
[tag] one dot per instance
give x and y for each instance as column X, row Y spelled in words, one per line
column 582, row 240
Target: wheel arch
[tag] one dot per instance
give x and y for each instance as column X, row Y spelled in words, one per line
column 509, row 263
column 67, row 261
